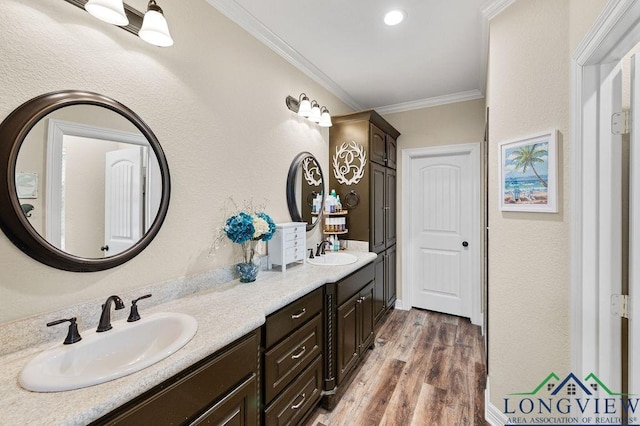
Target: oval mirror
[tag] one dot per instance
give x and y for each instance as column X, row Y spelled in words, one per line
column 305, row 183
column 84, row 183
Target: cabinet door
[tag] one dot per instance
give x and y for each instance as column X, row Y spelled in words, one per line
column 365, row 317
column 378, row 144
column 392, row 153
column 238, row 408
column 379, row 293
column 378, row 208
column 348, row 342
column 390, row 208
column 390, row 276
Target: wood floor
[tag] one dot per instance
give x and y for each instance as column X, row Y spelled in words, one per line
column 427, row 368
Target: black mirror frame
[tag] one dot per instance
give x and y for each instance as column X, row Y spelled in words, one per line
column 13, row 221
column 294, row 209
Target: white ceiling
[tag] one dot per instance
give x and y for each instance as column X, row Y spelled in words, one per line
column 436, row 56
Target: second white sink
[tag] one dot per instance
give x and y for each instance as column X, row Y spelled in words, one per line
column 333, row 259
column 100, row 357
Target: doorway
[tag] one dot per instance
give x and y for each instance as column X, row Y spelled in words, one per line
column 597, row 196
column 441, row 229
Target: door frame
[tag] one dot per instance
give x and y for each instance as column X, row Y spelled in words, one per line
column 408, row 155
column 607, row 42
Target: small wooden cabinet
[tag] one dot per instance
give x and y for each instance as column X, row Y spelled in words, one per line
column 288, row 244
column 294, row 346
column 222, row 389
column 349, row 311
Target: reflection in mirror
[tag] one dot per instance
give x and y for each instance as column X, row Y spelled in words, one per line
column 305, row 184
column 99, row 179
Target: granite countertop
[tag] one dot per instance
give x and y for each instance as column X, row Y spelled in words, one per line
column 225, row 312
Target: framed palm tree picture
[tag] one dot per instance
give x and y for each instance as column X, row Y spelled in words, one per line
column 528, row 174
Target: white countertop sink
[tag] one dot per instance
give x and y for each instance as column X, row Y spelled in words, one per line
column 333, row 259
column 101, row 357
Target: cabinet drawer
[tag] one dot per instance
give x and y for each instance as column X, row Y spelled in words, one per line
column 188, row 394
column 292, row 316
column 291, row 356
column 294, row 233
column 352, row 284
column 294, row 253
column 297, row 242
column 296, row 401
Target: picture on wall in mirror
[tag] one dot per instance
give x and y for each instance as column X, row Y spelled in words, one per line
column 528, row 174
column 27, row 185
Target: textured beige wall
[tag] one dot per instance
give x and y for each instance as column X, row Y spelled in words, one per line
column 529, row 85
column 215, row 100
column 457, row 123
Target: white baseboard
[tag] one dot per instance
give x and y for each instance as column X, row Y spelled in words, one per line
column 492, row 414
column 398, row 305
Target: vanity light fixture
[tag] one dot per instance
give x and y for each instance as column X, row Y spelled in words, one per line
column 315, row 112
column 325, row 118
column 110, row 11
column 151, row 26
column 154, row 27
column 309, row 109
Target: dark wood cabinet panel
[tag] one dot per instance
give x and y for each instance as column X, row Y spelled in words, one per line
column 377, row 242
column 292, row 316
column 238, row 408
column 378, row 144
column 392, row 152
column 390, row 276
column 379, row 293
column 348, row 337
column 390, row 208
column 366, row 319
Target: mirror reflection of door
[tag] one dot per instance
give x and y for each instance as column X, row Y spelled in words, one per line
column 102, row 195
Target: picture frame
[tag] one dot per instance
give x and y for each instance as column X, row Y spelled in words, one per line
column 528, row 174
column 27, row 185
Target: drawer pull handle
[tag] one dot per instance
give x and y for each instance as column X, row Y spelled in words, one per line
column 299, row 404
column 299, row 314
column 299, row 354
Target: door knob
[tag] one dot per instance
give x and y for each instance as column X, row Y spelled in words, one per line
column 465, row 244
column 104, row 248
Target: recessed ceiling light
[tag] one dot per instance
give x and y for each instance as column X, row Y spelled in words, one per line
column 394, row 17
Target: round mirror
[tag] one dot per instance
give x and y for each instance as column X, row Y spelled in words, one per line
column 84, row 184
column 305, row 185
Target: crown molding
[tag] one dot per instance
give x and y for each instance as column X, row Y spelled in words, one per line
column 469, row 95
column 493, row 8
column 249, row 23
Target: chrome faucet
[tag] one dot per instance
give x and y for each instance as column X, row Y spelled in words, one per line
column 105, row 318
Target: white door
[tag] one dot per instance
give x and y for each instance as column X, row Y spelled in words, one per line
column 123, row 200
column 445, row 243
column 634, row 230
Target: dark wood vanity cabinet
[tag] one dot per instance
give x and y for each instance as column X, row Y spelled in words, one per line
column 222, row 389
column 293, row 360
column 349, row 311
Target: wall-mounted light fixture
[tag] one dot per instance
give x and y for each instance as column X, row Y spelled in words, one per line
column 151, row 26
column 309, row 109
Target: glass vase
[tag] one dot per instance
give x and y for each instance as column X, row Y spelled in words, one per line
column 248, row 269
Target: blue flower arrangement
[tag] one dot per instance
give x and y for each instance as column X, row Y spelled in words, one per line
column 244, row 227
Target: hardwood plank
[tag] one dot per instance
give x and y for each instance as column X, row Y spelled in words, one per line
column 427, row 368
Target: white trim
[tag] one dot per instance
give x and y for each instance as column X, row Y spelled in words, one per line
column 409, row 154
column 400, row 306
column 494, row 8
column 610, row 38
column 492, row 414
column 249, row 23
column 57, row 130
column 634, row 231
column 469, row 95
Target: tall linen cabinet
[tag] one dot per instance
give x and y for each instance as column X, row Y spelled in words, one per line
column 363, row 161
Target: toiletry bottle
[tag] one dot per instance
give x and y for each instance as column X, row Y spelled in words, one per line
column 338, row 204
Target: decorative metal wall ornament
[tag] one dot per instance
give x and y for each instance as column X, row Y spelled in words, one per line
column 351, row 200
column 312, row 172
column 349, row 160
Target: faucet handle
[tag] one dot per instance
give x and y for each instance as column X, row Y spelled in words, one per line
column 134, row 315
column 73, row 335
